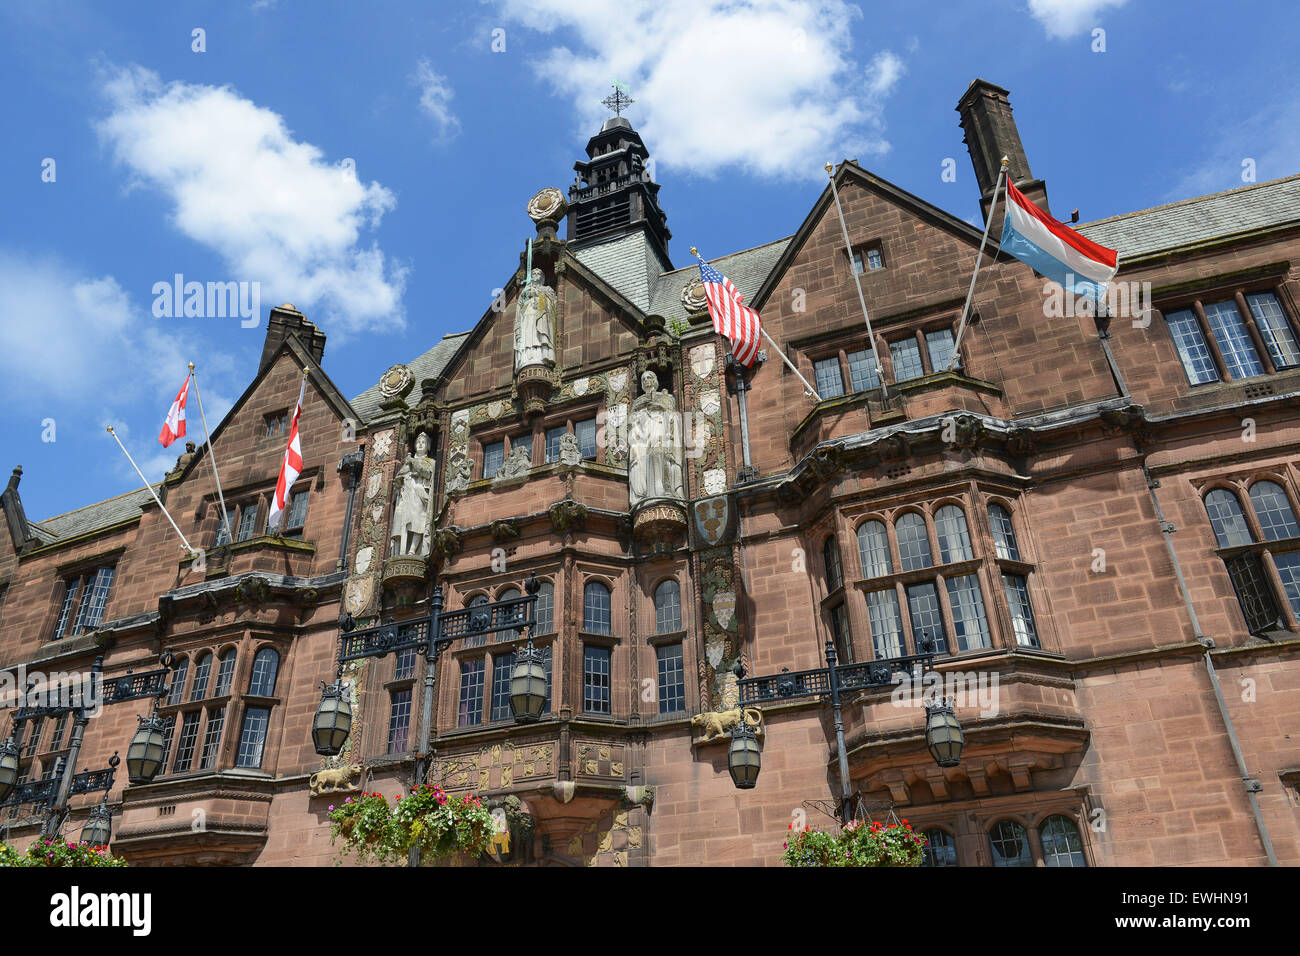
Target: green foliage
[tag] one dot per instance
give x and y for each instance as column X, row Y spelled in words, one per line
column 860, row 844
column 440, row 825
column 59, row 853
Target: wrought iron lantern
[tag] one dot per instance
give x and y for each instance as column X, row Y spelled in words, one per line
column 943, row 733
column 528, row 685
column 144, row 757
column 333, row 723
column 8, row 768
column 743, row 758
column 99, row 825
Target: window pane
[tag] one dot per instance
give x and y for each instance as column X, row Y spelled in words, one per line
column 1253, row 593
column 831, row 559
column 297, row 516
column 672, row 679
column 471, row 693
column 266, row 665
column 586, row 432
column 940, row 346
column 1061, row 843
column 907, row 360
column 862, row 370
column 1234, row 340
column 1192, row 350
column 69, row 602
column 1274, row 329
column 843, row 633
column 178, row 681
column 202, row 669
column 1022, row 612
column 247, row 521
column 511, row 594
column 404, row 665
column 927, row 620
column 595, row 608
column 1276, row 519
column 225, row 673
column 212, row 738
column 38, row 724
column 857, row 263
column 92, row 605
column 1227, row 519
column 553, row 436
column 225, row 529
column 60, row 728
column 913, row 543
column 502, row 665
column 546, row 663
column 886, row 624
column 1004, row 535
column 829, row 382
column 1288, row 569
column 399, row 721
column 874, row 259
column 1010, row 845
column 969, row 624
column 522, row 441
column 494, row 454
column 954, row 537
column 185, row 743
column 873, row 549
column 942, row 848
column 252, row 739
column 595, row 680
column 546, row 608
column 668, row 607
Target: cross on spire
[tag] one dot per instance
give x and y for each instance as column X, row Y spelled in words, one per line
column 618, row 100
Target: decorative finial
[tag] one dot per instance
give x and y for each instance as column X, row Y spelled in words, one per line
column 1006, row 161
column 830, row 170
column 110, row 429
column 694, row 251
column 618, row 100
column 191, row 366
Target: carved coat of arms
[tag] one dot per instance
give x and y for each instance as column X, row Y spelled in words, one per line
column 724, row 607
column 702, row 358
column 713, row 518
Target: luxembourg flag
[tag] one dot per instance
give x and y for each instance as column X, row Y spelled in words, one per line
column 1058, row 252
column 174, row 427
column 291, row 468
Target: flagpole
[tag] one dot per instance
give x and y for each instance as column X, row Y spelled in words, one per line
column 149, row 487
column 857, row 282
column 812, row 391
column 212, row 456
column 297, row 410
column 979, row 258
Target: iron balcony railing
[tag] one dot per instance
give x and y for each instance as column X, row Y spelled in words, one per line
column 789, row 685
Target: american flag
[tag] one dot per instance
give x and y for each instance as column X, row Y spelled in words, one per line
column 291, row 468
column 731, row 317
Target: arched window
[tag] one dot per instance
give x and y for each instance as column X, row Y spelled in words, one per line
column 225, row 672
column 834, row 572
column 668, row 607
column 1276, row 519
column 954, row 538
column 179, row 674
column 941, row 848
column 913, row 543
column 202, row 668
column 1227, row 519
column 1062, row 845
column 1010, row 844
column 873, row 549
column 595, row 608
column 509, row 594
column 546, row 608
column 1004, row 535
column 266, row 666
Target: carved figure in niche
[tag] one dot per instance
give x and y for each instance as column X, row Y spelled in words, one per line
column 570, row 453
column 413, row 492
column 460, row 474
column 535, row 324
column 654, row 468
column 517, row 464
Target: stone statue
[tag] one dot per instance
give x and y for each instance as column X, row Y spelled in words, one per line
column 714, row 724
column 460, row 474
column 517, row 464
column 334, row 780
column 413, row 492
column 535, row 324
column 654, row 468
column 570, row 453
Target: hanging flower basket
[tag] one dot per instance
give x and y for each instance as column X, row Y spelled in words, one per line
column 441, row 826
column 858, row 844
column 59, row 853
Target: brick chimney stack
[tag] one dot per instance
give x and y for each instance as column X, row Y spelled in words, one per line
column 286, row 320
column 991, row 133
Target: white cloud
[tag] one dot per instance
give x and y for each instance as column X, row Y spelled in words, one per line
column 271, row 206
column 435, row 99
column 1067, row 18
column 1268, row 140
column 766, row 85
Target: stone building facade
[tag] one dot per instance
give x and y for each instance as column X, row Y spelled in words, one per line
column 1089, row 522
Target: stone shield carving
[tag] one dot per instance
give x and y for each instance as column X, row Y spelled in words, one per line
column 702, row 358
column 724, row 608
column 358, row 595
column 712, row 518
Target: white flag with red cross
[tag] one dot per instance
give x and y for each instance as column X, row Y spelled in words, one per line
column 174, row 427
column 292, row 466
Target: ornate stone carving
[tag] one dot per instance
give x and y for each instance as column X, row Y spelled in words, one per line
column 516, row 465
column 335, row 780
column 505, row 529
column 660, row 526
column 570, row 452
column 1021, row 442
column 403, row 576
column 548, row 205
column 654, row 445
column 713, row 724
column 535, row 324
column 253, row 591
column 358, row 594
column 459, row 474
column 413, row 491
column 396, row 382
column 568, row 516
column 365, row 557
column 446, row 542
column 693, row 299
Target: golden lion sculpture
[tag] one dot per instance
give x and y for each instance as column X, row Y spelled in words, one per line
column 714, row 724
column 334, row 780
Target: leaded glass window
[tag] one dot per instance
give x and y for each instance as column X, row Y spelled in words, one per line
column 954, row 537
column 668, row 607
column 1192, row 350
column 1276, row 519
column 1233, row 338
column 595, row 608
column 913, row 542
column 873, row 549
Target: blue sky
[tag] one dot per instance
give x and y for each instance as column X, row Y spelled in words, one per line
column 231, row 164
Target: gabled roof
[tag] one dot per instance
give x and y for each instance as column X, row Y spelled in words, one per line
column 428, row 365
column 102, row 514
column 746, row 269
column 1202, row 219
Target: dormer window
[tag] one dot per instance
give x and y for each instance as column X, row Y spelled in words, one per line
column 84, row 597
column 868, row 258
column 277, row 423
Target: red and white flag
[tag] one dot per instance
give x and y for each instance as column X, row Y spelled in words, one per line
column 731, row 317
column 174, row 427
column 292, row 467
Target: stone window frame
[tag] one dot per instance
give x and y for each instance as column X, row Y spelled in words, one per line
column 1236, row 293
column 657, row 639
column 861, row 251
column 1032, row 819
column 506, row 433
column 67, row 619
column 275, row 424
column 262, row 494
column 215, row 701
column 1260, row 547
column 919, row 333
